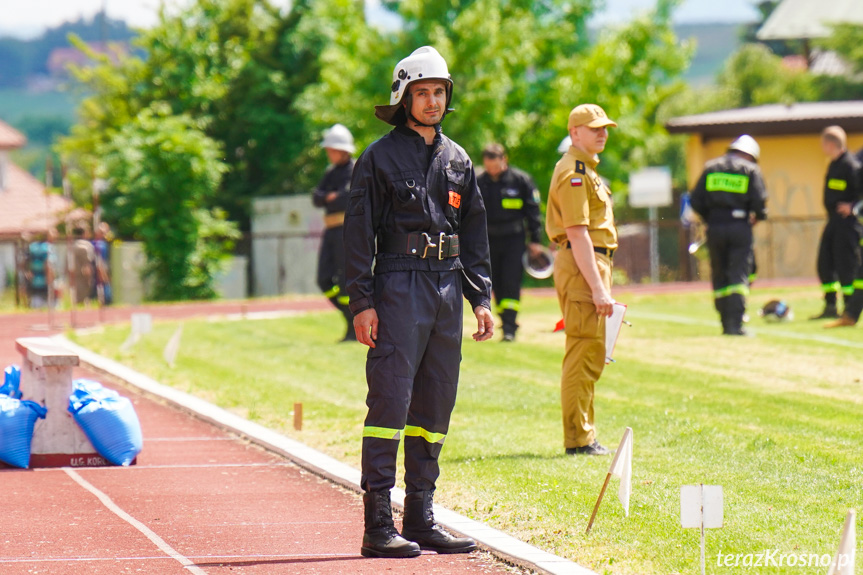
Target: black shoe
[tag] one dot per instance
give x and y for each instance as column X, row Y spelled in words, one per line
column 737, row 331
column 419, row 526
column 508, row 337
column 381, row 539
column 830, row 312
column 593, row 449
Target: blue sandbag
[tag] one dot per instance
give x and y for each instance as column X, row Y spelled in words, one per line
column 11, row 382
column 108, row 419
column 17, row 419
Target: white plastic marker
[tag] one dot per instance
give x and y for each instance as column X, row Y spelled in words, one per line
column 843, row 561
column 701, row 508
column 621, row 466
column 173, row 346
column 142, row 323
column 612, row 329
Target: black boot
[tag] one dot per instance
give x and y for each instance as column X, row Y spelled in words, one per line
column 419, row 526
column 830, row 312
column 381, row 539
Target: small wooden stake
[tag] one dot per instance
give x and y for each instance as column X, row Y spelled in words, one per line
column 598, row 501
column 298, row 416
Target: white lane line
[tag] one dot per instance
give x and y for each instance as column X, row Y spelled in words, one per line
column 208, row 558
column 766, row 333
column 148, row 533
column 149, row 439
column 169, row 466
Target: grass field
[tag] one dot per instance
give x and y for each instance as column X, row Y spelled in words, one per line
column 774, row 419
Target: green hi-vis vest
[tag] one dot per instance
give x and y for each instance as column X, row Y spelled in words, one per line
column 732, row 183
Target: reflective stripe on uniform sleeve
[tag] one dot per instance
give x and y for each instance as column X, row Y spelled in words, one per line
column 831, row 287
column 431, row 437
column 507, row 303
column 344, row 299
column 848, row 290
column 858, row 284
column 332, row 292
column 722, row 182
column 382, row 432
column 511, row 203
column 732, row 289
column 836, row 184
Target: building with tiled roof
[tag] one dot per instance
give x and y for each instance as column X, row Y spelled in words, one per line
column 25, row 208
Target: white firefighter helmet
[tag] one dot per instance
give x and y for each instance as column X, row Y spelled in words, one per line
column 540, row 266
column 747, row 145
column 424, row 63
column 338, row 137
column 564, row 145
column 776, row 310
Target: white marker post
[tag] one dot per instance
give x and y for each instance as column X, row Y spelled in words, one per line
column 701, row 507
column 621, row 466
column 843, row 562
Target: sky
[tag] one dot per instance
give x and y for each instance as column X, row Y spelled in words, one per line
column 28, row 18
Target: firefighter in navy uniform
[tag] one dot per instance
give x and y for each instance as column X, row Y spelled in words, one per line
column 839, row 251
column 416, row 215
column 730, row 197
column 511, row 201
column 332, row 195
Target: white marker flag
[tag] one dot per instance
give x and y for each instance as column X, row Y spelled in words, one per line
column 612, row 329
column 173, row 346
column 621, row 466
column 843, row 562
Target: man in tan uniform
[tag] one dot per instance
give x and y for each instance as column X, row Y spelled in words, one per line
column 580, row 221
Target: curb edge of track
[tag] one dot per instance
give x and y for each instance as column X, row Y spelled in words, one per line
column 498, row 543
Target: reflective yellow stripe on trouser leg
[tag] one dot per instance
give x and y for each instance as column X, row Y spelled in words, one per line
column 430, row 436
column 382, row 432
column 508, row 303
column 732, row 289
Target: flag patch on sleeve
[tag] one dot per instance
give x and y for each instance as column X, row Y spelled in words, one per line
column 454, row 199
column 575, row 182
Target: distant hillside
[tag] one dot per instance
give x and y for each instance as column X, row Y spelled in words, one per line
column 714, row 44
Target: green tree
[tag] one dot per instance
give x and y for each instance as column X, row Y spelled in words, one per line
column 757, row 76
column 845, row 41
column 162, row 168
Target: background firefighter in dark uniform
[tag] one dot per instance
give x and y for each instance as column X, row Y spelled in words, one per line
column 839, row 251
column 332, row 195
column 511, row 200
column 416, row 214
column 730, row 197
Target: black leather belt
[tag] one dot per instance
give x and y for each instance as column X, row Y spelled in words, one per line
column 420, row 244
column 604, row 251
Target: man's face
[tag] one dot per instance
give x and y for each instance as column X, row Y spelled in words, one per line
column 428, row 102
column 494, row 166
column 590, row 140
column 337, row 157
column 829, row 147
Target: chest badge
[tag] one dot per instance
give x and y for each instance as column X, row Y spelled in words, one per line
column 454, row 199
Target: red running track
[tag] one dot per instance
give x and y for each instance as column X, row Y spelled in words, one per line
column 199, row 500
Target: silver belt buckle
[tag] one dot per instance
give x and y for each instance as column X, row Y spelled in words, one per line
column 738, row 214
column 440, row 246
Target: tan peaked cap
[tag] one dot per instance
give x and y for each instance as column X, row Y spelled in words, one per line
column 589, row 115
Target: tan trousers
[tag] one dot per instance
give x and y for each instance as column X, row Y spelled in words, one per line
column 584, row 359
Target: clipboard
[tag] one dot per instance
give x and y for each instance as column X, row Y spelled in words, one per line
column 612, row 329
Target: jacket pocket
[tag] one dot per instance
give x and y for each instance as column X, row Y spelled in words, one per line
column 356, row 202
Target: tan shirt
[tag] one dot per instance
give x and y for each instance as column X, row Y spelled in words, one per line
column 578, row 197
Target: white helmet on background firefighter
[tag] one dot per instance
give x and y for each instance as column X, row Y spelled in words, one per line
column 747, row 145
column 423, row 64
column 540, row 266
column 338, row 137
column 564, row 145
column 776, row 310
